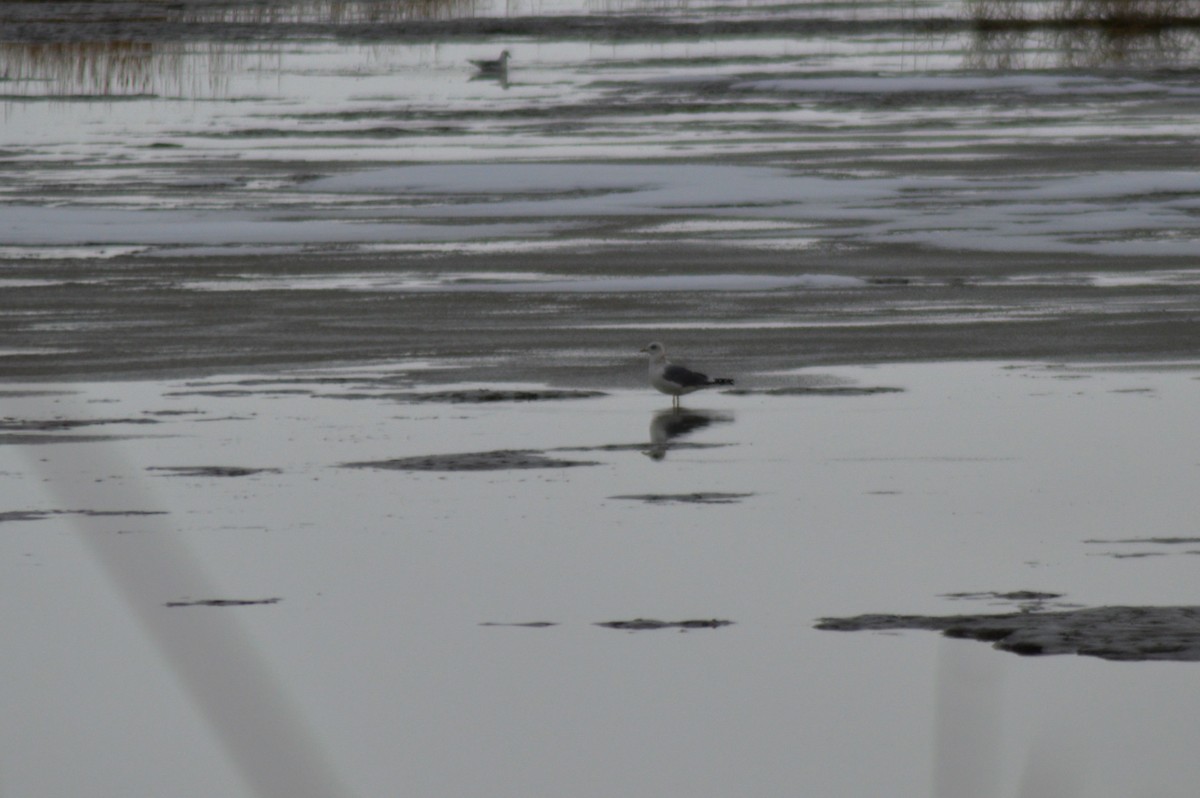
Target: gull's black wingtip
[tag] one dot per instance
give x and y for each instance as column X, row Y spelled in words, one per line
column 722, row 381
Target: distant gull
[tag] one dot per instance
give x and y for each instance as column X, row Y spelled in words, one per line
column 497, row 67
column 676, row 380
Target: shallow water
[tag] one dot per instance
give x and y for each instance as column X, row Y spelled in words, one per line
column 382, row 602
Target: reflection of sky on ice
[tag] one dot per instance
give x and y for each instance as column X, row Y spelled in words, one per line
column 974, row 478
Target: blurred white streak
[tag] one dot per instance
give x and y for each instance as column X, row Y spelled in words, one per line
column 1053, row 766
column 206, row 648
column 969, row 716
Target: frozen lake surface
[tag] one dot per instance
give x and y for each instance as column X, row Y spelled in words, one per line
column 308, row 491
column 958, row 171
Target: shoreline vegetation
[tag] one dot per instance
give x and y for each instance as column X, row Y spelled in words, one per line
column 1116, row 17
column 403, row 19
column 127, row 48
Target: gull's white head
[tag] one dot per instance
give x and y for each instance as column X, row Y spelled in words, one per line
column 655, row 350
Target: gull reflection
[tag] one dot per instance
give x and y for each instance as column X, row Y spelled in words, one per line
column 500, row 79
column 672, row 423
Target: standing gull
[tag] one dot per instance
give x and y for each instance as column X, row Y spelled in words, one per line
column 496, row 67
column 676, row 380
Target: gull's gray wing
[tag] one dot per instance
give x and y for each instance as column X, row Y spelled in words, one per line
column 684, row 376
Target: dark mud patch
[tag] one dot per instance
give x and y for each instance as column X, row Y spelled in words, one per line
column 646, row 624
column 814, row 390
column 501, row 460
column 212, row 471
column 1022, row 600
column 222, row 602
column 39, row 515
column 1153, row 541
column 57, row 424
column 700, row 497
column 305, row 380
column 36, row 439
column 474, row 396
column 32, row 393
column 523, row 625
column 1113, row 633
column 238, row 393
column 1016, row 596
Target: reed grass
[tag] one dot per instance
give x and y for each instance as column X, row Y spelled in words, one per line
column 1131, row 16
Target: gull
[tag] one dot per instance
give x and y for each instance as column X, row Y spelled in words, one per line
column 676, row 380
column 496, row 67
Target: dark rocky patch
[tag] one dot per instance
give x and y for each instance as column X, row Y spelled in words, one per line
column 702, row 497
column 222, row 602
column 1113, row 633
column 501, row 460
column 643, row 624
column 212, row 471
